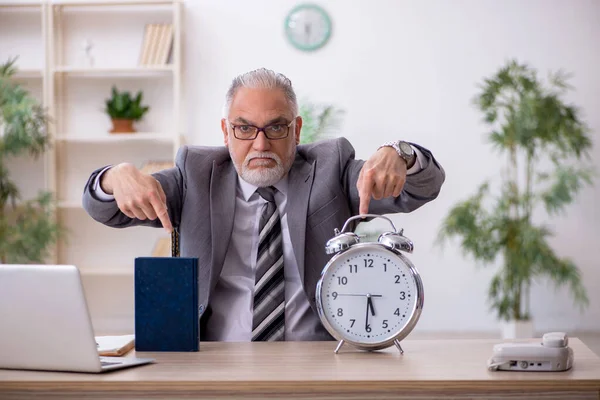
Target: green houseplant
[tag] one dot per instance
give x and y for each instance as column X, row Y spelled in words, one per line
column 124, row 110
column 545, row 144
column 27, row 228
column 319, row 121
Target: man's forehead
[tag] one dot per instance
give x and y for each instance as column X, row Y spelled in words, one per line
column 260, row 103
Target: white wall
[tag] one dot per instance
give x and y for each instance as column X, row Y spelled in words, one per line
column 408, row 69
column 400, row 69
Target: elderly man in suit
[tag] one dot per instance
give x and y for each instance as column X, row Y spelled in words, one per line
column 258, row 211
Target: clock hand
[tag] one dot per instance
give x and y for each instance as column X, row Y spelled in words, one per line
column 371, row 304
column 367, row 316
column 363, row 295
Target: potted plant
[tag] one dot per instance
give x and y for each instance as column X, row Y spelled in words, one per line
column 124, row 110
column 545, row 144
column 318, row 121
column 28, row 229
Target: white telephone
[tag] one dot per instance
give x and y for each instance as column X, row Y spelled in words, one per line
column 552, row 354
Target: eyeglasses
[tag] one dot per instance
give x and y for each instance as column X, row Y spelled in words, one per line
column 250, row 132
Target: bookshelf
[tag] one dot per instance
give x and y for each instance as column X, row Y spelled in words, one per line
column 48, row 38
column 83, row 144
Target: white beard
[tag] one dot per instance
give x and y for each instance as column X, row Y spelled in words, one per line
column 266, row 176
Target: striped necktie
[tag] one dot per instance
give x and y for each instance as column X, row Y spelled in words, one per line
column 268, row 321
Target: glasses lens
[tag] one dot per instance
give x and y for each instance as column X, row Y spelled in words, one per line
column 244, row 131
column 278, row 131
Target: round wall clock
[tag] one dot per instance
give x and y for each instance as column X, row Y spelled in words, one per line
column 308, row 27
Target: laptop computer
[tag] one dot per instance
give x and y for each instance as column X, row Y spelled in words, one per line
column 45, row 323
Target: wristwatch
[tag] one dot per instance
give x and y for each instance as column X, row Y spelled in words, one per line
column 404, row 150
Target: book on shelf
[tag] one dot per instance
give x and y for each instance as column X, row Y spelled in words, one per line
column 157, row 44
column 115, row 346
column 151, row 167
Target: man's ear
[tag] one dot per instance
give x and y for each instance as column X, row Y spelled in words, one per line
column 225, row 134
column 298, row 128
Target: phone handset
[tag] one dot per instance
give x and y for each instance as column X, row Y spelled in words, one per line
column 555, row 339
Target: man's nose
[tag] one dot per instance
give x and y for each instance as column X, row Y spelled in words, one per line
column 261, row 142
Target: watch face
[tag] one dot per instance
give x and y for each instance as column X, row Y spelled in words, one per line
column 369, row 295
column 308, row 27
column 406, row 148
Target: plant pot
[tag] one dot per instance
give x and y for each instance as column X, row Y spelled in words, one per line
column 517, row 329
column 122, row 126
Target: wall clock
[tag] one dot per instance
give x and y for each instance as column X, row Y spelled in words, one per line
column 308, row 27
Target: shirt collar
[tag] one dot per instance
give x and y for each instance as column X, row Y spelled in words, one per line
column 249, row 189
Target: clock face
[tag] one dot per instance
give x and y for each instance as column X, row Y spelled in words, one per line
column 308, row 27
column 370, row 295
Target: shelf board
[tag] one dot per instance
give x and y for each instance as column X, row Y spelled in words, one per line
column 96, row 3
column 118, row 138
column 107, row 271
column 115, row 72
column 28, row 73
column 70, row 205
column 21, row 4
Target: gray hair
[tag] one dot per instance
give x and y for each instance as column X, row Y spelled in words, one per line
column 261, row 78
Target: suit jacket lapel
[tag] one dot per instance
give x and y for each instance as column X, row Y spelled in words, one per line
column 222, row 207
column 300, row 182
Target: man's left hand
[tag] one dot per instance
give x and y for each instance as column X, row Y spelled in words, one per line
column 383, row 175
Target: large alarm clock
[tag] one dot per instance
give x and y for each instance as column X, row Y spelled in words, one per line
column 369, row 295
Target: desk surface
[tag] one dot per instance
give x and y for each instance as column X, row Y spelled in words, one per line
column 311, row 368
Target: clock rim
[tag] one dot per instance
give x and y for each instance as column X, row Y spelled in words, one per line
column 321, row 11
column 402, row 333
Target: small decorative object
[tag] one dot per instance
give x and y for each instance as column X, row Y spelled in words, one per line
column 125, row 110
column 87, row 59
column 308, row 27
column 545, row 143
column 369, row 295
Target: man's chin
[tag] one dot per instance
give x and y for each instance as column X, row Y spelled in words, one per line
column 262, row 176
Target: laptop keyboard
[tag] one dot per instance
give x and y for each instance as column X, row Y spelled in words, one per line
column 106, row 363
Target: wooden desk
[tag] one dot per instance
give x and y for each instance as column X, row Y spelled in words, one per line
column 429, row 369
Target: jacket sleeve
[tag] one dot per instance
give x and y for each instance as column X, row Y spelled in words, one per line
column 108, row 213
column 419, row 189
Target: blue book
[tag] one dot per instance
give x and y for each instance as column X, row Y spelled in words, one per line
column 166, row 304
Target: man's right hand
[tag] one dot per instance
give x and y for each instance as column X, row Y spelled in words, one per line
column 138, row 195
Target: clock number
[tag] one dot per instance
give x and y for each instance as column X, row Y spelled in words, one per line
column 368, row 328
column 368, row 263
column 385, row 324
column 384, row 267
column 340, row 312
column 342, row 280
column 397, row 312
column 353, row 268
column 334, row 295
column 397, row 278
column 352, row 324
column 402, row 295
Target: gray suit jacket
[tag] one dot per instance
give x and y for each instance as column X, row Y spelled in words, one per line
column 322, row 195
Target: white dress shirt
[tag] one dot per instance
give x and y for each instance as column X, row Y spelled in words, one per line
column 232, row 300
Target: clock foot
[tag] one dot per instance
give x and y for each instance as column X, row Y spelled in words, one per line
column 397, row 343
column 339, row 346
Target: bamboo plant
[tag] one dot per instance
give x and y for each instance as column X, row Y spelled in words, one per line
column 27, row 228
column 318, row 121
column 545, row 145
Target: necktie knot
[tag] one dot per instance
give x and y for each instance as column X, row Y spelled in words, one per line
column 267, row 193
